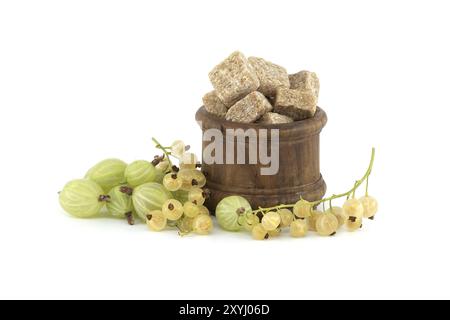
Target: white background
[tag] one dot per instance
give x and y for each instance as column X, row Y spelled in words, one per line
column 85, row 80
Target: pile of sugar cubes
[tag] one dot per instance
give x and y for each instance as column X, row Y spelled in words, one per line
column 255, row 90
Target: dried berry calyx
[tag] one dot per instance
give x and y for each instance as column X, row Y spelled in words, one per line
column 157, row 160
column 127, row 190
column 104, row 198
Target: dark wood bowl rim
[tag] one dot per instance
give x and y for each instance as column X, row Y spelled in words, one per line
column 298, row 129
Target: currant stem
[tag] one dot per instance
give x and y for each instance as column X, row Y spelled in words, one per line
column 367, row 186
column 164, row 150
column 181, row 232
column 129, row 217
column 263, row 210
column 357, row 184
column 354, row 191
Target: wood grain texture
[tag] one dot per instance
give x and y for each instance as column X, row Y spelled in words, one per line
column 299, row 173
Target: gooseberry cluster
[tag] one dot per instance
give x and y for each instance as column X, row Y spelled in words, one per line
column 158, row 192
column 234, row 213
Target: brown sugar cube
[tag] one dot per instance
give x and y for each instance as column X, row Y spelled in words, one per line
column 296, row 104
column 305, row 80
column 274, row 118
column 213, row 104
column 233, row 79
column 249, row 109
column 270, row 75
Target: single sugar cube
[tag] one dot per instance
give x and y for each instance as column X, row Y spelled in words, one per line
column 233, row 79
column 305, row 80
column 296, row 104
column 249, row 109
column 274, row 118
column 270, row 75
column 213, row 104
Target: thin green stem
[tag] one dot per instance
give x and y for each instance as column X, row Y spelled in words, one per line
column 357, row 184
column 334, row 196
column 354, row 191
column 263, row 210
column 367, row 186
column 164, row 150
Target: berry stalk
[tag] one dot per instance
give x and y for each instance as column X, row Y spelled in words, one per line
column 356, row 186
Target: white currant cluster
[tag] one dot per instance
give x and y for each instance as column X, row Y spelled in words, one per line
column 304, row 218
column 235, row 213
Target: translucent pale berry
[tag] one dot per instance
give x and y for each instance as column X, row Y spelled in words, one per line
column 274, row 233
column 172, row 209
column 259, row 233
column 178, row 149
column 250, row 221
column 197, row 196
column 156, row 220
column 312, row 220
column 298, row 228
column 286, row 217
column 191, row 210
column 271, row 221
column 172, row 182
column 202, row 224
column 327, row 224
column 302, row 209
column 192, row 178
column 353, row 209
column 204, row 210
column 370, row 206
column 188, row 161
column 339, row 214
column 185, row 224
column 353, row 224
column 163, row 165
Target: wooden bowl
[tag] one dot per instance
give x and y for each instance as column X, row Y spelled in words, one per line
column 299, row 164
